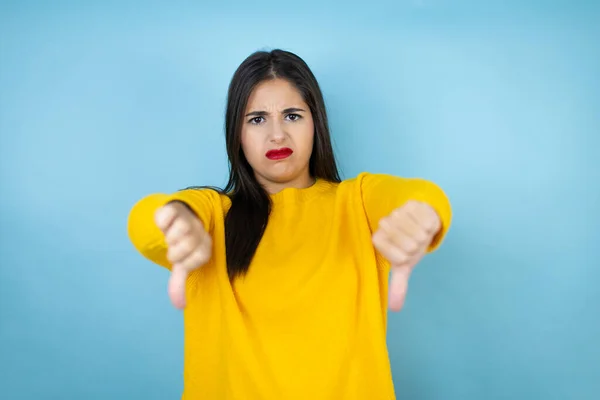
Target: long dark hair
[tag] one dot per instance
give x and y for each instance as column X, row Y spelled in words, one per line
column 247, row 218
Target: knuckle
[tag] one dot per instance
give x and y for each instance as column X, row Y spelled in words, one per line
column 410, row 246
column 190, row 263
column 172, row 254
column 430, row 224
column 383, row 223
column 195, row 241
column 173, row 232
column 411, row 205
column 400, row 257
column 377, row 238
column 420, row 241
column 422, row 236
column 160, row 216
column 207, row 244
column 184, row 225
column 186, row 247
column 180, row 250
column 170, row 208
column 198, row 258
column 187, row 265
column 421, row 209
column 398, row 213
column 437, row 223
column 204, row 257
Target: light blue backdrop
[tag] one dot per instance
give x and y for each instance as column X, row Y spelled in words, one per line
column 498, row 102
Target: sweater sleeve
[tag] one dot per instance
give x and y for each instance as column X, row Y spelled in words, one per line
column 382, row 194
column 145, row 235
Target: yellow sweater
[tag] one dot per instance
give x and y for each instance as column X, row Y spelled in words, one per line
column 308, row 321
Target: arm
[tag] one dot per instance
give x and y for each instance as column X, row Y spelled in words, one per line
column 382, row 194
column 145, row 235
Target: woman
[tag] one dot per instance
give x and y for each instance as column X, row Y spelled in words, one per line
column 283, row 275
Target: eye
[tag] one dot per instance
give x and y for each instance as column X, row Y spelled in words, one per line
column 293, row 117
column 256, row 120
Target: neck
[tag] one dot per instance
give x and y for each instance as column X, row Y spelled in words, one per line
column 300, row 183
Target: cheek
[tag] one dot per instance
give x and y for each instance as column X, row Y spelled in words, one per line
column 309, row 141
column 250, row 147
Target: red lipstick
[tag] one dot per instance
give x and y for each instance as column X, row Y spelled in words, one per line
column 279, row 154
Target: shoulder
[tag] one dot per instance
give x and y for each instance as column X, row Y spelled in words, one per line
column 205, row 194
column 371, row 188
column 370, row 180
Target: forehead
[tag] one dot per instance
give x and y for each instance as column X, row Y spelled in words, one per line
column 274, row 93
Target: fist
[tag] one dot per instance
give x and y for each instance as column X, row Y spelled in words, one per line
column 189, row 246
column 403, row 238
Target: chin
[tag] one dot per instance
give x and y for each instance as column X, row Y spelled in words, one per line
column 280, row 176
column 280, row 171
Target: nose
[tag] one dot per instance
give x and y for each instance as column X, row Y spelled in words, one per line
column 277, row 132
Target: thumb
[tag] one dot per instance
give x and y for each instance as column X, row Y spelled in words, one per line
column 399, row 286
column 177, row 286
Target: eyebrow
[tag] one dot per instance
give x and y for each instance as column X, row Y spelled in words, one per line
column 263, row 113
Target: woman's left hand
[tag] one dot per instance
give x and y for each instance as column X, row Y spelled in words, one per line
column 403, row 238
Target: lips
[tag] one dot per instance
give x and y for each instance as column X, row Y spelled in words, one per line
column 279, row 154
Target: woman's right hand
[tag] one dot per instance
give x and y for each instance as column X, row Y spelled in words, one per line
column 189, row 246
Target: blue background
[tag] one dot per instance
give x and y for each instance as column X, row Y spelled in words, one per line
column 498, row 102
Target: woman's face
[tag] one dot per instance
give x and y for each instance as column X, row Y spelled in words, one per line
column 277, row 136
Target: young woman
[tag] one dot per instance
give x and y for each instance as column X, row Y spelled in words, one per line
column 283, row 275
